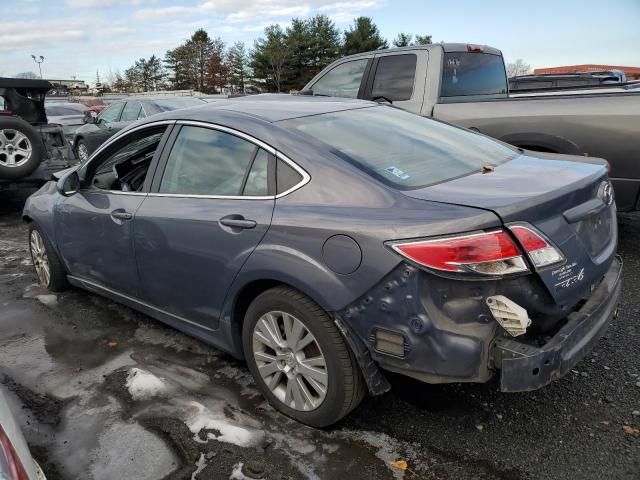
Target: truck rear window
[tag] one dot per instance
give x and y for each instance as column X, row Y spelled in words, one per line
column 470, row 73
column 401, row 149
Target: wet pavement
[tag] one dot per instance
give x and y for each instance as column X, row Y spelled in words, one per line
column 103, row 392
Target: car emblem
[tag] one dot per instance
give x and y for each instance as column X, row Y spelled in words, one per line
column 605, row 192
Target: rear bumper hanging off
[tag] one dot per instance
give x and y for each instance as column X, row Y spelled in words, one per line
column 524, row 367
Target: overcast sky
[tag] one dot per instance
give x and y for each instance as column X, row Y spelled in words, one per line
column 78, row 37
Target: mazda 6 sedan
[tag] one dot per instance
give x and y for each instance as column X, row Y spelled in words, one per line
column 327, row 242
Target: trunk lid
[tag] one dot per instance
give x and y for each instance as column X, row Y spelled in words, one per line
column 564, row 200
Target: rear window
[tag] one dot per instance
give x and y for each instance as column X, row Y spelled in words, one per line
column 468, row 73
column 165, row 105
column 402, row 149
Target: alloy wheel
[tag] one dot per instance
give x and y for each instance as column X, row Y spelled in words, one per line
column 39, row 258
column 15, row 148
column 290, row 361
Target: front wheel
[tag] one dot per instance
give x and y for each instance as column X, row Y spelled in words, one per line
column 49, row 269
column 299, row 359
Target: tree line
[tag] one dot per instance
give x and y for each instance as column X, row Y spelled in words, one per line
column 281, row 60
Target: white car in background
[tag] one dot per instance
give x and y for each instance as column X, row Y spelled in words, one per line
column 16, row 462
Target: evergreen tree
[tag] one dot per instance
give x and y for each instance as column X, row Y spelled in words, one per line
column 402, row 40
column 269, row 57
column 363, row 36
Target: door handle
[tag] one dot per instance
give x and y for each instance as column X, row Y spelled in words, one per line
column 237, row 221
column 121, row 215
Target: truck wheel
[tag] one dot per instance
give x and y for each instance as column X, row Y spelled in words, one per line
column 299, row 359
column 21, row 149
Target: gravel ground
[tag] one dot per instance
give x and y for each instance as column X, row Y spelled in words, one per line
column 103, row 392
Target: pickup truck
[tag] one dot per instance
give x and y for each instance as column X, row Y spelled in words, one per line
column 467, row 85
column 31, row 148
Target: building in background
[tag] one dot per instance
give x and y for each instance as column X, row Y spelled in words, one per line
column 632, row 73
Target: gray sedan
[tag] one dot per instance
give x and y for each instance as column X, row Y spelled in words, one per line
column 328, row 241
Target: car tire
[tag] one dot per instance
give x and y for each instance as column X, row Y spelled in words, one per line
column 21, row 148
column 82, row 151
column 326, row 352
column 49, row 269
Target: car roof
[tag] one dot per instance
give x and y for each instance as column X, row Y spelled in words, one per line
column 35, row 84
column 269, row 107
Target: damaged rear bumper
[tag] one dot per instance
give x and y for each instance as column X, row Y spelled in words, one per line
column 524, row 367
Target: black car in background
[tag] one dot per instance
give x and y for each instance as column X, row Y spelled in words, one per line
column 120, row 114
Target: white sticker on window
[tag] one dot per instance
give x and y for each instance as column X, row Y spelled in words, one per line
column 396, row 172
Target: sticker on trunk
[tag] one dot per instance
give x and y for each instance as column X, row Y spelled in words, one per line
column 567, row 276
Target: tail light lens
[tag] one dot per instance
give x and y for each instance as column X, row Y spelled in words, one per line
column 487, row 253
column 10, row 466
column 540, row 252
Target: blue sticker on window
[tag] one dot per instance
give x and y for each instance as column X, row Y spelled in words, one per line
column 396, row 172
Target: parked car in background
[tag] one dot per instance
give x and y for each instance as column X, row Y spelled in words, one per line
column 31, row 148
column 467, row 85
column 16, row 462
column 121, row 113
column 70, row 115
column 326, row 241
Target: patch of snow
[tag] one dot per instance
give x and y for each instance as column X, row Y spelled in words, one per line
column 200, row 417
column 48, row 299
column 143, row 384
column 237, row 474
column 200, row 465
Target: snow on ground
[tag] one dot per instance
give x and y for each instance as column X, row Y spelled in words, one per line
column 143, row 384
column 200, row 417
column 200, row 465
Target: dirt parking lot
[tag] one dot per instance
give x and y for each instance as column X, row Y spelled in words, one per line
column 103, row 392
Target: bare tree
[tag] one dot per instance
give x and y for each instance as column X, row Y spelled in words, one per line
column 519, row 67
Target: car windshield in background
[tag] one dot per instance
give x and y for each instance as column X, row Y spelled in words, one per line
column 400, row 148
column 167, row 104
column 468, row 73
column 61, row 110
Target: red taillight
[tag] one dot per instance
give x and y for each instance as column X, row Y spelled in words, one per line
column 6, row 112
column 487, row 253
column 475, row 48
column 10, row 465
column 540, row 252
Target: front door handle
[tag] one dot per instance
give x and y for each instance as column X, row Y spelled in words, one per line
column 237, row 221
column 120, row 214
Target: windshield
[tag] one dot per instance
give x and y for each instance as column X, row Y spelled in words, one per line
column 402, row 149
column 167, row 104
column 470, row 73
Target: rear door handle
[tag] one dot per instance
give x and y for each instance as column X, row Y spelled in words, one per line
column 237, row 221
column 121, row 214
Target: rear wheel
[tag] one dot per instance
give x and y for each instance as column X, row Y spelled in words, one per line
column 21, row 149
column 49, row 268
column 299, row 359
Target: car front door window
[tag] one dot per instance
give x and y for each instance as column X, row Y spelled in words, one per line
column 342, row 81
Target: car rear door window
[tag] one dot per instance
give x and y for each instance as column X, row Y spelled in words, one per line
column 111, row 114
column 342, row 81
column 204, row 161
column 394, row 77
column 257, row 183
column 131, row 112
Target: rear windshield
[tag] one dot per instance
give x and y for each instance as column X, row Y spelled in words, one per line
column 402, row 149
column 167, row 104
column 469, row 73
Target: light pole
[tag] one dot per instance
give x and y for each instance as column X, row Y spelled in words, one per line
column 39, row 62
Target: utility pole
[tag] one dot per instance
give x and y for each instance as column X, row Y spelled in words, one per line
column 39, row 62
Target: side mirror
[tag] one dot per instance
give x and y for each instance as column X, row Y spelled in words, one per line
column 69, row 184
